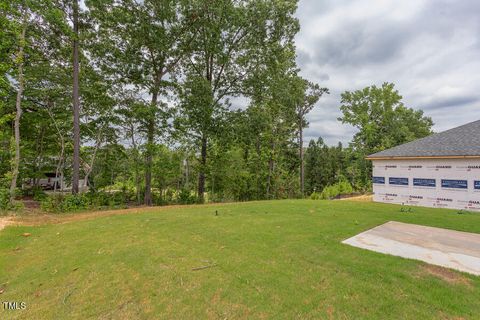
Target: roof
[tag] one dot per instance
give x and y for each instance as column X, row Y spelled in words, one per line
column 459, row 142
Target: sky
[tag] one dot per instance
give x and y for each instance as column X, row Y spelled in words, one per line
column 430, row 50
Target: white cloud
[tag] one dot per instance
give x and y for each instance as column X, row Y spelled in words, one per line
column 429, row 49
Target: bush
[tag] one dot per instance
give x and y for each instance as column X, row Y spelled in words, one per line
column 186, row 197
column 38, row 194
column 329, row 192
column 344, row 187
column 75, row 202
column 84, row 201
column 339, row 188
column 103, row 199
column 65, row 203
column 315, row 196
column 5, row 203
column 4, row 199
column 52, row 203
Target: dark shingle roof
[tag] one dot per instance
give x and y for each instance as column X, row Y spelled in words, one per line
column 460, row 141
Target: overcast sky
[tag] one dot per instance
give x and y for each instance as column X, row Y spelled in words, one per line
column 429, row 49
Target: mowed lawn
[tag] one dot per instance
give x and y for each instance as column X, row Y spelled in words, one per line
column 268, row 260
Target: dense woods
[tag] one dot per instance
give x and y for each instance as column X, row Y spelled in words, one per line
column 157, row 102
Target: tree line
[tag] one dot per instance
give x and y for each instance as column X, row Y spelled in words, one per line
column 175, row 99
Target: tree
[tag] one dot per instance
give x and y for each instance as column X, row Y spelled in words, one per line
column 150, row 39
column 235, row 40
column 19, row 60
column 76, row 100
column 28, row 31
column 324, row 165
column 382, row 121
column 7, row 47
column 310, row 94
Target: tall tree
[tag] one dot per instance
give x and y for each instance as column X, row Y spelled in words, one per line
column 150, row 39
column 7, row 48
column 36, row 30
column 310, row 95
column 324, row 165
column 76, row 99
column 233, row 41
column 28, row 24
column 382, row 121
column 20, row 61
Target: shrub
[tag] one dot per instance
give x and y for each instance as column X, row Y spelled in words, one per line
column 75, row 202
column 5, row 203
column 4, row 199
column 38, row 194
column 339, row 188
column 101, row 199
column 329, row 192
column 344, row 187
column 186, row 197
column 84, row 201
column 65, row 203
column 315, row 196
column 52, row 203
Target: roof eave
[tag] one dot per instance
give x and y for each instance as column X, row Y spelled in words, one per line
column 420, row 157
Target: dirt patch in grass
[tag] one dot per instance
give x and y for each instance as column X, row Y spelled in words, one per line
column 5, row 221
column 42, row 218
column 445, row 274
column 362, row 198
column 38, row 218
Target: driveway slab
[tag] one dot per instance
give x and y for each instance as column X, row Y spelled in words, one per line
column 447, row 248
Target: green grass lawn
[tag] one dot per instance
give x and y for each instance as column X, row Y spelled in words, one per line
column 273, row 259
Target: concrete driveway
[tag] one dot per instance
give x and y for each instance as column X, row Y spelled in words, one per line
column 447, row 248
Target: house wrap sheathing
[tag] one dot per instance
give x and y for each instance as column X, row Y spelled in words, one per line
column 440, row 171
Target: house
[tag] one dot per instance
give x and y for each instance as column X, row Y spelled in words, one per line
column 441, row 170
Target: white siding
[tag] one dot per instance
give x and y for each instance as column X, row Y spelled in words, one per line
column 449, row 195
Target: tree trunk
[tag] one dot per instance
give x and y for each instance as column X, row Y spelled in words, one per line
column 76, row 103
column 136, row 162
column 260, row 164
column 300, row 151
column 61, row 159
column 89, row 167
column 18, row 114
column 148, row 165
column 271, row 168
column 201, row 175
column 39, row 157
column 59, row 169
column 149, row 154
column 187, row 174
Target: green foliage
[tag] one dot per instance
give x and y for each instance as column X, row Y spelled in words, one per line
column 382, row 121
column 65, row 203
column 112, row 200
column 37, row 193
column 6, row 204
column 5, row 199
column 315, row 196
column 75, row 202
column 99, row 200
column 84, row 201
column 186, row 197
column 157, row 79
column 340, row 188
column 324, row 165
